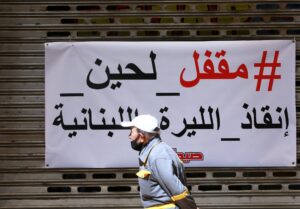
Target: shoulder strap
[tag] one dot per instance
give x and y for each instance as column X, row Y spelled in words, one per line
column 145, row 163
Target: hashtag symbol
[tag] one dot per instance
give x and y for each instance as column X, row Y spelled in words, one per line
column 272, row 76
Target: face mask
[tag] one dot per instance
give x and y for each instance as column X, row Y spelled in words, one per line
column 136, row 146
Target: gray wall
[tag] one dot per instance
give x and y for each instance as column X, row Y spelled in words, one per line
column 25, row 25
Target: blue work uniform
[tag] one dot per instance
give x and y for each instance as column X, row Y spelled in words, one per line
column 161, row 178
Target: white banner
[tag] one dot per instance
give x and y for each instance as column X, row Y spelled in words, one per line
column 220, row 103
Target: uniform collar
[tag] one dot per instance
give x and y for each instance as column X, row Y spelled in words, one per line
column 147, row 149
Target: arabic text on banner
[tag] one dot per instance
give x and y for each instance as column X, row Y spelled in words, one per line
column 219, row 103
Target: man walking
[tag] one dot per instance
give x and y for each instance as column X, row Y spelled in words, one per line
column 161, row 173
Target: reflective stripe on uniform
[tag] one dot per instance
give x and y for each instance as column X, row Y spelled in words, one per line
column 166, row 206
column 143, row 173
column 180, row 196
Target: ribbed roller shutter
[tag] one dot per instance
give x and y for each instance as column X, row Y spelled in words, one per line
column 25, row 25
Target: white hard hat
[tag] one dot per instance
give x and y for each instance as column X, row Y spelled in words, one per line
column 146, row 123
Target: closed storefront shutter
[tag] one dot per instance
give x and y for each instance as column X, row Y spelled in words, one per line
column 25, row 25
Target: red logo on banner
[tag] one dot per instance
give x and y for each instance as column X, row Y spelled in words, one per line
column 187, row 157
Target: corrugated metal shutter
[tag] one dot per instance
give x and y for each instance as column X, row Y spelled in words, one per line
column 26, row 24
